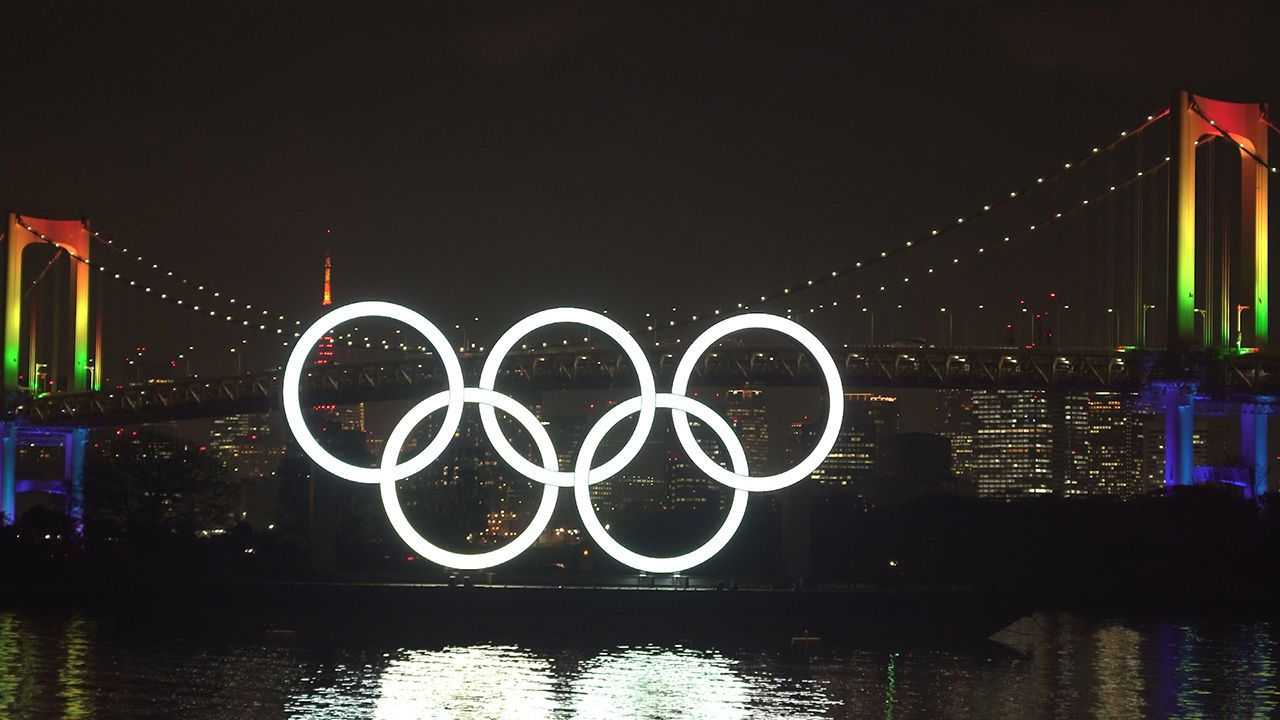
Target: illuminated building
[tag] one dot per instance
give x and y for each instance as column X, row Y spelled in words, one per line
column 852, row 460
column 629, row 490
column 954, row 420
column 244, row 445
column 642, row 484
column 566, row 433
column 502, row 526
column 1150, row 446
column 1029, row 444
column 686, row 484
column 1114, row 443
column 744, row 409
column 469, row 471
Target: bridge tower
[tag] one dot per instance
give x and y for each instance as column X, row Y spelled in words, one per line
column 73, row 238
column 1196, row 121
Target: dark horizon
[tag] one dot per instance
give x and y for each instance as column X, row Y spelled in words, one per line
column 495, row 160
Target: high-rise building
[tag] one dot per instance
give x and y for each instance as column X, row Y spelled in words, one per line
column 687, row 486
column 744, row 409
column 1029, row 443
column 1150, row 445
column 1113, row 448
column 245, row 445
column 852, row 460
column 954, row 420
column 470, row 486
column 641, row 484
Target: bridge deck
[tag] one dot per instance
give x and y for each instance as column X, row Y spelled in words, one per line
column 1128, row 371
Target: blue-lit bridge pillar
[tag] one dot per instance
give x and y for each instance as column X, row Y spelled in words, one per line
column 73, row 442
column 1253, row 441
column 1179, row 432
column 8, row 471
column 73, row 474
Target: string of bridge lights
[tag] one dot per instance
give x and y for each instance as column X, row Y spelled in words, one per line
column 653, row 326
column 143, row 286
column 353, row 341
column 792, row 315
column 264, row 323
column 350, row 338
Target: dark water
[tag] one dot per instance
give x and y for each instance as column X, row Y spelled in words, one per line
column 1063, row 666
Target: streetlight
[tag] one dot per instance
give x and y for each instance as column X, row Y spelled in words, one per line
column 1239, row 329
column 1023, row 305
column 1059, row 321
column 233, row 350
column 1115, row 315
column 950, row 325
column 1145, row 308
column 137, row 375
column 1204, row 321
column 871, row 334
column 1057, row 317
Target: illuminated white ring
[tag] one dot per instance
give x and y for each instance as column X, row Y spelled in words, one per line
column 648, row 391
column 584, row 477
column 299, row 357
column 835, row 401
column 391, row 502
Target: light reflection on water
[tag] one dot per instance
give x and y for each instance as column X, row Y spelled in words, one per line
column 1064, row 666
column 466, row 682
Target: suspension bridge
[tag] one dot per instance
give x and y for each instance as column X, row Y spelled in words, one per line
column 1140, row 267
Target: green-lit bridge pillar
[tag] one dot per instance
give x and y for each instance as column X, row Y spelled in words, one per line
column 1195, row 120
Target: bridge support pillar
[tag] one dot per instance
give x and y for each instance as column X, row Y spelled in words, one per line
column 1179, row 432
column 1253, row 442
column 8, row 472
column 73, row 474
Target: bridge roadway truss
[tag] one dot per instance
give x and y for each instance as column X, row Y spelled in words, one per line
column 1226, row 377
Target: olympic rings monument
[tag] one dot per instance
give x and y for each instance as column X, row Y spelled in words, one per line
column 583, row 474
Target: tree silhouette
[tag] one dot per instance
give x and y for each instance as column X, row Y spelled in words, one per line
column 149, row 485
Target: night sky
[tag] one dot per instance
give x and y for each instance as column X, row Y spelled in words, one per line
column 492, row 159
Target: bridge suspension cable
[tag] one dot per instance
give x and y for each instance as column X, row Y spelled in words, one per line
column 982, row 249
column 919, row 241
column 256, row 323
column 212, row 294
column 286, row 329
